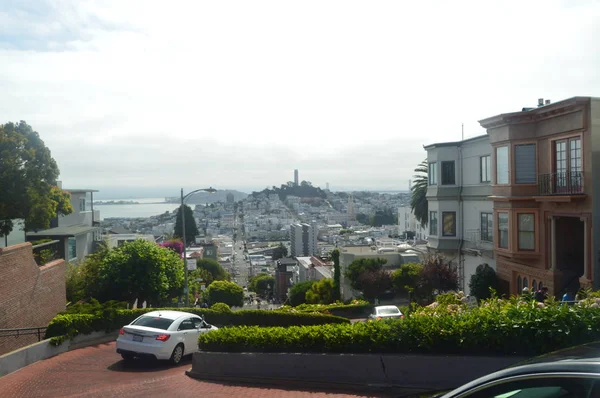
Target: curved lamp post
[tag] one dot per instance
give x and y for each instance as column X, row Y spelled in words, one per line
column 181, row 210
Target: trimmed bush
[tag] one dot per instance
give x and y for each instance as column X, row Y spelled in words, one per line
column 71, row 325
column 357, row 308
column 220, row 307
column 497, row 327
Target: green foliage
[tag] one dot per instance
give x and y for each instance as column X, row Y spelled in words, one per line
column 406, row 278
column 360, row 266
column 337, row 292
column 70, row 325
column 418, row 200
column 436, row 275
column 191, row 229
column 379, row 218
column 303, row 190
column 136, row 270
column 28, row 176
column 320, row 292
column 44, row 256
column 448, row 327
column 482, row 281
column 279, row 252
column 297, row 294
column 217, row 273
column 220, row 307
column 261, row 284
column 355, row 309
column 225, row 292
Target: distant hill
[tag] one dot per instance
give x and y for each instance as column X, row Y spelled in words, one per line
column 304, row 190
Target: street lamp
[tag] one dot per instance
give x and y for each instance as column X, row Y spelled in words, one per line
column 181, row 210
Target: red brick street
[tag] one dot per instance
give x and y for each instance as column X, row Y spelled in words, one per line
column 98, row 371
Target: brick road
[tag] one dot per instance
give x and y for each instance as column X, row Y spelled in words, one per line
column 98, row 371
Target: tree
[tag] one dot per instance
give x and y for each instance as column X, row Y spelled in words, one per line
column 406, row 278
column 136, row 270
column 191, row 230
column 418, row 200
column 482, row 280
column 337, row 273
column 360, row 266
column 279, row 252
column 28, row 176
column 375, row 283
column 320, row 292
column 262, row 284
column 213, row 268
column 225, row 292
column 297, row 294
column 436, row 275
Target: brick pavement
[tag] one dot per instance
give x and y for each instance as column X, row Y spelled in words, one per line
column 98, row 371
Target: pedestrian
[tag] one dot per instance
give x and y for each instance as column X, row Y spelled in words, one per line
column 541, row 294
column 568, row 298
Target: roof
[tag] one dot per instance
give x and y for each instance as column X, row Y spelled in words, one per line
column 71, row 230
column 170, row 314
column 287, row 261
column 118, row 230
column 455, row 143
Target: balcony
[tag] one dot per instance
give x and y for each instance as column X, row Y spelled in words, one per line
column 561, row 184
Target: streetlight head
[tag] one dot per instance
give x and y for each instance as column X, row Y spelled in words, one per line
column 210, row 190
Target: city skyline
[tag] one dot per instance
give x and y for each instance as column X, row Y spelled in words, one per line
column 131, row 95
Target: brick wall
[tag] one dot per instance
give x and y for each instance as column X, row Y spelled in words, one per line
column 30, row 296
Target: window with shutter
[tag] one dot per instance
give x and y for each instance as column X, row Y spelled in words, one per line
column 525, row 164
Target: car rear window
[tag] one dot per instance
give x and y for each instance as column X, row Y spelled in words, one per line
column 153, row 322
column 388, row 311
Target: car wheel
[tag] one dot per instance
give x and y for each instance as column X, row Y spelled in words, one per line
column 127, row 357
column 177, row 354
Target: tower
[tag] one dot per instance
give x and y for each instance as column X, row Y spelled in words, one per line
column 296, row 177
column 350, row 210
column 327, row 186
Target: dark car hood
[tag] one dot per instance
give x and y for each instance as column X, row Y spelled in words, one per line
column 581, row 352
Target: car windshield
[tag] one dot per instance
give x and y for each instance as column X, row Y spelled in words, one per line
column 153, row 322
column 388, row 311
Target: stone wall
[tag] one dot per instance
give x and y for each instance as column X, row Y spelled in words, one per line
column 30, row 296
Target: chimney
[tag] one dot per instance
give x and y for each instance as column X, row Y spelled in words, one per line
column 540, row 102
column 547, row 102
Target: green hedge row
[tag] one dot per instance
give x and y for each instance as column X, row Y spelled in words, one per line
column 495, row 328
column 72, row 324
column 358, row 308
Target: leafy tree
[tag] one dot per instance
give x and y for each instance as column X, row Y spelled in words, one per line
column 136, row 270
column 321, row 292
column 418, row 200
column 436, row 275
column 482, row 280
column 297, row 294
column 225, row 292
column 261, row 284
column 406, row 278
column 28, row 176
column 374, row 283
column 360, row 266
column 213, row 268
column 279, row 252
column 191, row 230
column 337, row 273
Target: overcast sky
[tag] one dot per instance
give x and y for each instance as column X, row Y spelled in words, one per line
column 237, row 94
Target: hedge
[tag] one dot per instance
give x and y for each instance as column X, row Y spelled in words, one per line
column 357, row 308
column 70, row 325
column 495, row 328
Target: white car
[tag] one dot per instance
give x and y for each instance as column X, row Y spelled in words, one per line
column 385, row 312
column 162, row 335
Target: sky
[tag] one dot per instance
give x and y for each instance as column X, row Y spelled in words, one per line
column 151, row 96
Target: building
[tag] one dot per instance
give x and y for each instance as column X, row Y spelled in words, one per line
column 407, row 223
column 545, row 199
column 284, row 277
column 460, row 213
column 116, row 240
column 303, row 239
column 77, row 232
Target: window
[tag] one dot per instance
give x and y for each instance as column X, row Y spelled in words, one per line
column 485, row 168
column 432, row 174
column 433, row 224
column 503, row 230
column 81, row 204
column 525, row 283
column 197, row 323
column 448, row 175
column 502, row 173
column 532, row 385
column 519, row 286
column 526, row 231
column 153, row 322
column 540, row 285
column 449, row 223
column 534, row 285
column 525, row 164
column 487, row 227
column 186, row 324
column 72, row 248
column 567, row 164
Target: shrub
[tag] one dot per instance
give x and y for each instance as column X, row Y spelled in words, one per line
column 321, row 292
column 225, row 292
column 220, row 307
column 497, row 327
column 482, row 280
column 297, row 294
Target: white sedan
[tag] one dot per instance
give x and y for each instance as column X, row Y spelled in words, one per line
column 385, row 312
column 162, row 335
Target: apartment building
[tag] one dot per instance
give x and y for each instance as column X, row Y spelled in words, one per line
column 408, row 223
column 545, row 201
column 303, row 239
column 460, row 213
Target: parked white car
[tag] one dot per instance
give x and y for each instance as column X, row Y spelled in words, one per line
column 162, row 335
column 385, row 312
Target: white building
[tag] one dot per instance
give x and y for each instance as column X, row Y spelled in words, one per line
column 408, row 223
column 460, row 213
column 303, row 239
column 115, row 240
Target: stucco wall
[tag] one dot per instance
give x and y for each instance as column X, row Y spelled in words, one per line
column 30, row 295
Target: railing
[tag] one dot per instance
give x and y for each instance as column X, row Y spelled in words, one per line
column 564, row 183
column 40, row 332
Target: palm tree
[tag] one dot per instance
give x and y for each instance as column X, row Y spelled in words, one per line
column 418, row 200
